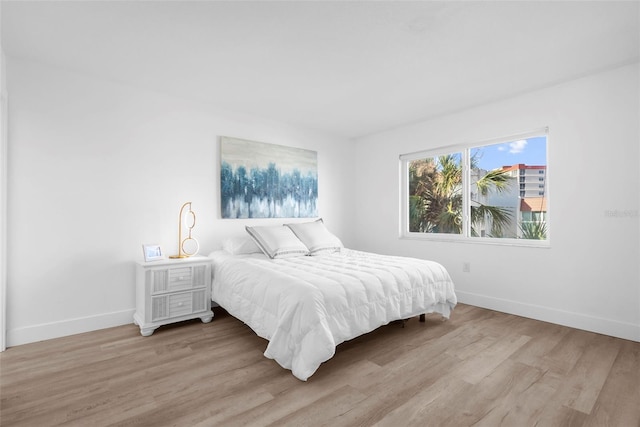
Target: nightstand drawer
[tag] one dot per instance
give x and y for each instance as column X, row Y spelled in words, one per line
column 177, row 279
column 171, row 305
column 180, row 304
column 180, row 278
column 175, row 305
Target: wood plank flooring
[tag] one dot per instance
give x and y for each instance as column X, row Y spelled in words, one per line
column 481, row 368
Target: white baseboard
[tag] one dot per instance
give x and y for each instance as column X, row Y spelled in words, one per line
column 613, row 328
column 46, row 331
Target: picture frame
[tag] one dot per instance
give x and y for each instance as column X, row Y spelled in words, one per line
column 152, row 252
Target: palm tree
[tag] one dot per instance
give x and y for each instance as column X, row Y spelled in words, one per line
column 435, row 197
column 499, row 217
column 536, row 230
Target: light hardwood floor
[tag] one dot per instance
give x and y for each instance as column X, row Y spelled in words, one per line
column 481, row 368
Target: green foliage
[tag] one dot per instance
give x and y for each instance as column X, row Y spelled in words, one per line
column 496, row 179
column 501, row 218
column 534, row 230
column 435, row 197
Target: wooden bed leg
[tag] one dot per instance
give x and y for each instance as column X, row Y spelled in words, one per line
column 422, row 319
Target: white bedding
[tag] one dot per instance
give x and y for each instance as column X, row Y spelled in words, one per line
column 306, row 306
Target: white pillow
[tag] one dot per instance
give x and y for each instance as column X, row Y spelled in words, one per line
column 277, row 241
column 241, row 245
column 316, row 237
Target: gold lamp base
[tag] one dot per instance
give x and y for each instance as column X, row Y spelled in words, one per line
column 189, row 222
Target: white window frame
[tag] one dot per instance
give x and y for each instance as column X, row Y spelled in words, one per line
column 465, row 236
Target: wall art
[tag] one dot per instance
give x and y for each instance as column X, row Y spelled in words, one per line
column 260, row 180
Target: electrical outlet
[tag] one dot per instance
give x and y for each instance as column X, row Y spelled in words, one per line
column 466, row 267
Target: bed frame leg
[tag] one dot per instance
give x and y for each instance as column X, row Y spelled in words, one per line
column 422, row 318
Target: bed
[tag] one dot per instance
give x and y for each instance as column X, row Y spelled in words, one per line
column 305, row 299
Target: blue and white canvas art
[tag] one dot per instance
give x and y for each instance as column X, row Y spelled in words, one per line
column 260, row 180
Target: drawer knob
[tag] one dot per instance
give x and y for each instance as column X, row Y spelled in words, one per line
column 180, row 304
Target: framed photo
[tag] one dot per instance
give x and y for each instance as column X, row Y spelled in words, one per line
column 152, row 252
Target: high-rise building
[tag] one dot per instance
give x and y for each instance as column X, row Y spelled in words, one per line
column 531, row 179
column 532, row 187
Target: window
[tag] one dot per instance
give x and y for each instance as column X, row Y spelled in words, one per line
column 495, row 191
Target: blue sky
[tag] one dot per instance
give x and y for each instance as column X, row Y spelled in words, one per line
column 530, row 151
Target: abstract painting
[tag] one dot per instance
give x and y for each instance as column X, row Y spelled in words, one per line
column 260, row 180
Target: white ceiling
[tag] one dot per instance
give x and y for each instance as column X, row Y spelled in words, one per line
column 348, row 68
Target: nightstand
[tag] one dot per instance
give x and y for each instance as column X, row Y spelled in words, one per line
column 172, row 290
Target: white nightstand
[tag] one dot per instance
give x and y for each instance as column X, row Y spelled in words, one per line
column 172, row 290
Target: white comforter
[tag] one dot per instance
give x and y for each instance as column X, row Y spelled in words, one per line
column 306, row 306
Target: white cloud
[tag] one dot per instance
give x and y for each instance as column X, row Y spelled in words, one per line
column 516, row 147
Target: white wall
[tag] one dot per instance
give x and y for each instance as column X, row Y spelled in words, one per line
column 589, row 278
column 3, row 198
column 97, row 168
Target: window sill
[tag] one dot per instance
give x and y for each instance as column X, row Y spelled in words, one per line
column 525, row 243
